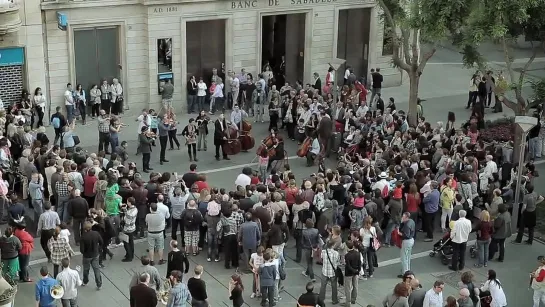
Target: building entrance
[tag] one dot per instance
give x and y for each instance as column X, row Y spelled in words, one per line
column 205, row 48
column 283, row 47
column 353, row 46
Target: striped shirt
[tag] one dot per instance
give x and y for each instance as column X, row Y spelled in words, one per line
column 48, row 220
column 179, row 296
column 231, row 221
column 103, row 125
column 61, row 188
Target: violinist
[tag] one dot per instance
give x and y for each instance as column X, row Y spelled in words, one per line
column 202, row 129
column 219, row 136
column 164, row 127
column 275, row 145
column 145, row 139
column 190, row 133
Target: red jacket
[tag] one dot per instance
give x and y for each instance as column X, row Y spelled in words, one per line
column 27, row 241
column 201, row 185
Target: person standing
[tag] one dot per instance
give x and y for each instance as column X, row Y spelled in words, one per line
column 39, row 103
column 90, row 247
column 154, row 281
column 176, row 260
column 331, row 261
column 538, row 282
column 217, row 96
column 58, row 121
column 434, row 296
column 78, row 210
column 60, row 249
column 377, row 83
column 163, row 127
column 310, row 298
column 201, row 94
column 235, row 88
column 459, row 236
column 249, row 238
column 202, row 130
column 141, row 294
column 69, row 102
column 167, row 90
column 105, row 91
column 36, row 192
column 156, row 226
column 190, row 133
column 144, row 147
column 116, row 94
column 258, row 100
column 104, row 132
column 197, row 288
column 502, row 231
column 70, row 281
column 219, row 136
column 130, row 212
column 43, row 289
column 47, row 223
column 353, row 265
column 431, row 206
column 235, row 290
column 27, row 245
column 179, row 293
column 528, row 216
column 408, row 233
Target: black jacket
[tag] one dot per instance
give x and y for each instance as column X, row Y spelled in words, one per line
column 78, row 207
column 177, row 261
column 143, row 296
column 90, row 244
column 218, row 132
column 353, row 263
column 310, row 299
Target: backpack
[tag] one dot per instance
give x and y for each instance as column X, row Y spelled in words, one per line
column 304, row 215
column 56, row 122
column 190, row 220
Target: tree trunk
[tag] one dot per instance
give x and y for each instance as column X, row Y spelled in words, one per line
column 414, row 80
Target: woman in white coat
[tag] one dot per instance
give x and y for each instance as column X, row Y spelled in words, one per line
column 495, row 288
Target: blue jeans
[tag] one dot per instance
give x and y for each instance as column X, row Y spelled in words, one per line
column 62, row 208
column 191, row 103
column 388, row 233
column 534, row 150
column 87, row 264
column 310, row 262
column 200, row 102
column 483, row 251
column 406, row 251
column 114, row 142
column 212, row 239
column 69, row 113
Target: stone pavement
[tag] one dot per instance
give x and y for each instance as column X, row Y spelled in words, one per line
column 520, row 259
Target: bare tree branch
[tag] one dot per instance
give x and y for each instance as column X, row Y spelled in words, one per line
column 396, row 57
column 516, row 107
column 508, row 60
column 405, row 35
column 425, row 60
column 527, row 65
column 414, row 46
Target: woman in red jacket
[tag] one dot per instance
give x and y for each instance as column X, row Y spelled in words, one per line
column 27, row 242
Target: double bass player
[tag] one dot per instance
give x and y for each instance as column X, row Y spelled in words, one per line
column 219, row 136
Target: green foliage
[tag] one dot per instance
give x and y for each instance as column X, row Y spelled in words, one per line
column 538, row 87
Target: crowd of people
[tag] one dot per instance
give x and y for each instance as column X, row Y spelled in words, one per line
column 392, row 185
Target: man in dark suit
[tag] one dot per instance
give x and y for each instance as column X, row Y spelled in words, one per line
column 144, row 147
column 317, row 83
column 142, row 295
column 219, row 136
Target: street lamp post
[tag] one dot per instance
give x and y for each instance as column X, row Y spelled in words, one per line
column 525, row 123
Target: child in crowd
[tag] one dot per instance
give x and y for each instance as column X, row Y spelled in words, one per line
column 280, row 273
column 263, row 163
column 64, row 233
column 267, row 278
column 256, row 260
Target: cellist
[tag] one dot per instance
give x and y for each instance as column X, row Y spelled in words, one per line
column 237, row 116
column 275, row 146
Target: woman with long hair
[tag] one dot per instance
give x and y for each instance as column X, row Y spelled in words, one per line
column 413, row 201
column 484, row 234
column 493, row 288
column 10, row 246
column 60, row 249
column 368, row 234
column 467, row 281
column 235, row 290
column 39, row 102
column 81, row 101
column 399, row 297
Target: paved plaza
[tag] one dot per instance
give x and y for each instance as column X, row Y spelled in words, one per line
column 443, row 85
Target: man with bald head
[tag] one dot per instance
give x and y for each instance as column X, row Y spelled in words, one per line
column 192, row 219
column 416, row 298
column 78, row 209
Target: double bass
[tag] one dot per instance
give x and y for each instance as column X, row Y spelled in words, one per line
column 247, row 141
column 232, row 145
column 305, row 147
column 268, row 144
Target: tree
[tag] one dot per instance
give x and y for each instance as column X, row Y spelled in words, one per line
column 504, row 21
column 415, row 21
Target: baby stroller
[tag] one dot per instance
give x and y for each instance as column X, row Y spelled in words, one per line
column 443, row 247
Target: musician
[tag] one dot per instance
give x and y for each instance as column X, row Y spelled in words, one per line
column 219, row 136
column 202, row 129
column 164, row 127
column 145, row 139
column 274, row 141
column 314, row 150
column 190, row 133
column 237, row 116
column 325, row 133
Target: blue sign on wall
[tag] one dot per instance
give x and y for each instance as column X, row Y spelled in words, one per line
column 12, row 56
column 62, row 21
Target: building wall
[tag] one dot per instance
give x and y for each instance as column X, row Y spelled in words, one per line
column 141, row 25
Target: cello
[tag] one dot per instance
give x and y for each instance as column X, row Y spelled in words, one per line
column 247, row 141
column 232, row 145
column 268, row 144
column 305, row 147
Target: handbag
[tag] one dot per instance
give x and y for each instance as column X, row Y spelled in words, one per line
column 375, row 242
column 338, row 271
column 76, row 140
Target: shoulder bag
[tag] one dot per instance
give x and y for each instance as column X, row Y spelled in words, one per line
column 338, row 271
column 375, row 242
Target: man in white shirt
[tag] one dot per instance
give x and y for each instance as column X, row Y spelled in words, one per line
column 235, row 87
column 459, row 236
column 70, row 281
column 434, row 296
column 244, row 179
column 143, row 120
column 69, row 102
column 162, row 208
column 218, row 97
